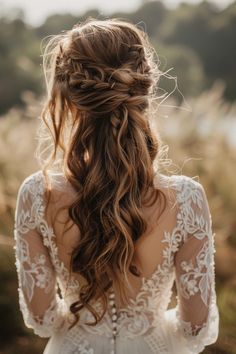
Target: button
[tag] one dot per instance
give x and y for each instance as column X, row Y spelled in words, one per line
column 114, row 317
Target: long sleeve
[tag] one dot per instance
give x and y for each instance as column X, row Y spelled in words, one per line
column 196, row 314
column 43, row 310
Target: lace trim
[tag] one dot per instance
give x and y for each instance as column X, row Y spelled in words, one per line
column 54, row 319
column 48, row 240
column 49, row 236
column 198, row 336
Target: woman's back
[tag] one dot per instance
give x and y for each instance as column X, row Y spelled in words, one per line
column 178, row 247
column 148, row 248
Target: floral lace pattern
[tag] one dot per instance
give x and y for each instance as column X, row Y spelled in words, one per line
column 34, row 268
column 37, row 273
column 40, row 269
column 197, row 277
column 49, row 242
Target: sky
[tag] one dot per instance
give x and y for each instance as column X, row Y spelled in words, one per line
column 37, row 10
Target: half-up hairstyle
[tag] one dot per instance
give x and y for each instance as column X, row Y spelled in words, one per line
column 101, row 77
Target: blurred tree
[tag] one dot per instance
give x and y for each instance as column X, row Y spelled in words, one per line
column 55, row 24
column 149, row 16
column 222, row 56
column 182, row 60
column 152, row 14
column 19, row 62
column 211, row 34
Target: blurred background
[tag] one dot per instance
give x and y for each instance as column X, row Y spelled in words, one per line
column 197, row 123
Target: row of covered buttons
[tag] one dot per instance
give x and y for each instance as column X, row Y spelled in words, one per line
column 114, row 319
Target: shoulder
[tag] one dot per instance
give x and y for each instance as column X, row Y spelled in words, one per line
column 30, row 203
column 40, row 189
column 31, row 191
column 32, row 185
column 186, row 187
column 187, row 190
column 194, row 212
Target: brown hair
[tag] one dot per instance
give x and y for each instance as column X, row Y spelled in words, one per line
column 102, row 77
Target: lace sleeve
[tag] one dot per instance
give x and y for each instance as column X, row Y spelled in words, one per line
column 196, row 314
column 43, row 310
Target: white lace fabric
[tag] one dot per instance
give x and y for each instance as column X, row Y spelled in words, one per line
column 188, row 259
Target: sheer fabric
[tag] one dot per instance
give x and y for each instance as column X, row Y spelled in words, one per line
column 143, row 326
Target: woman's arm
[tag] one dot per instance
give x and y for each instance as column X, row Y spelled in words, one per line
column 40, row 304
column 196, row 312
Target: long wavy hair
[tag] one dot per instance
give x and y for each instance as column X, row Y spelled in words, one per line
column 101, row 77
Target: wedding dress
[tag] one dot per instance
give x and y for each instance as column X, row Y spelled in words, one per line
column 146, row 325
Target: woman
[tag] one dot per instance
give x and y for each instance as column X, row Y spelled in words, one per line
column 101, row 240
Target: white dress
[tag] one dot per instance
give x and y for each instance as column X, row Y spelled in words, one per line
column 144, row 326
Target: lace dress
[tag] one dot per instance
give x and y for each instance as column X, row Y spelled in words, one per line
column 143, row 326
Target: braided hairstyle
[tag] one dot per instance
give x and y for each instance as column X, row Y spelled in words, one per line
column 102, row 76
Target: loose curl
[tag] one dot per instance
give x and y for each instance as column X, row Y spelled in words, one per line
column 101, row 77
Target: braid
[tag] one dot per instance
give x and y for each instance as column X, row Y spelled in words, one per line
column 125, row 86
column 107, row 88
